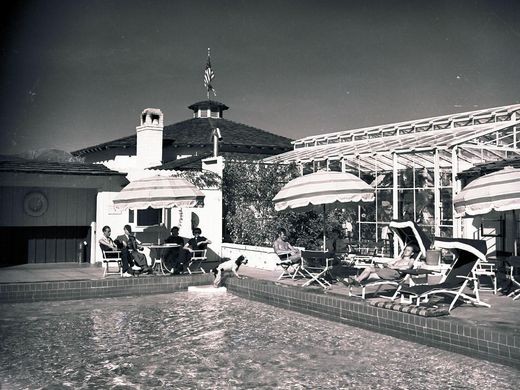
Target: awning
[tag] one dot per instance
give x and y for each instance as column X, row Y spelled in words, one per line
column 409, row 233
column 476, row 248
column 158, row 192
column 499, row 191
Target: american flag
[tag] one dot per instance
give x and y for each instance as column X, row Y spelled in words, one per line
column 208, row 76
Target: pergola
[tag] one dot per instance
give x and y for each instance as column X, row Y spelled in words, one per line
column 445, row 144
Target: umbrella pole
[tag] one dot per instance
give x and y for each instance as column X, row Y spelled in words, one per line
column 324, row 228
column 515, row 243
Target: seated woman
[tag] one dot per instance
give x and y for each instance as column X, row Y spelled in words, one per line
column 389, row 271
column 286, row 252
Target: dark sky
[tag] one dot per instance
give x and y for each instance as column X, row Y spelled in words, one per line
column 76, row 73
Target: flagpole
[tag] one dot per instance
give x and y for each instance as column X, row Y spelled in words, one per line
column 209, row 56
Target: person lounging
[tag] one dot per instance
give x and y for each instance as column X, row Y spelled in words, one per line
column 389, row 271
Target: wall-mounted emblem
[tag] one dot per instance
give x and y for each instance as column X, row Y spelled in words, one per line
column 35, row 204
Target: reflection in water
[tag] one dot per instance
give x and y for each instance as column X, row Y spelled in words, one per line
column 184, row 340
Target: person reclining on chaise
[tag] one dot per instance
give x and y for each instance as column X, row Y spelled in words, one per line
column 390, row 270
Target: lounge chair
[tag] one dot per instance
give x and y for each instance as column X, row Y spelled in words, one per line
column 460, row 275
column 111, row 258
column 198, row 257
column 407, row 233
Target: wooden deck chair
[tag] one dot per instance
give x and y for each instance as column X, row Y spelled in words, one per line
column 315, row 266
column 408, row 233
column 198, row 257
column 460, row 276
column 111, row 258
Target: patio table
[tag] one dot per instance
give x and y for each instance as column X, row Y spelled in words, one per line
column 157, row 260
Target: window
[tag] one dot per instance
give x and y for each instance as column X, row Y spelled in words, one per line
column 149, row 217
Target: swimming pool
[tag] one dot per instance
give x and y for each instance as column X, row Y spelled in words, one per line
column 184, row 340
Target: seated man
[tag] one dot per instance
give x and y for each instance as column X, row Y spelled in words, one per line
column 174, row 258
column 337, row 245
column 129, row 246
column 286, row 252
column 108, row 245
column 389, row 271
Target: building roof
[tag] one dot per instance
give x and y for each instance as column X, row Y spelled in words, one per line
column 450, row 121
column 197, row 132
column 484, row 135
column 211, row 104
column 58, row 168
column 195, row 162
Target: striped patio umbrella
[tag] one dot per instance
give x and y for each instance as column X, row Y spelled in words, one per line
column 158, row 192
column 320, row 189
column 499, row 191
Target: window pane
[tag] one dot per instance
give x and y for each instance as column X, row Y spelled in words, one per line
column 424, row 207
column 368, row 212
column 446, row 203
column 368, row 177
column 384, row 206
column 406, row 207
column 406, row 178
column 423, row 177
column 335, row 165
column 385, row 179
column 368, row 232
column 149, row 217
column 445, row 179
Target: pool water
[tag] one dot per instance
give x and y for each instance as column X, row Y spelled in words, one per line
column 188, row 340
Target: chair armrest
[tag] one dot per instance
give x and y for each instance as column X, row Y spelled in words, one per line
column 465, row 277
column 417, row 271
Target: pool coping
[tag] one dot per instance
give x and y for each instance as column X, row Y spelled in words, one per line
column 447, row 333
column 18, row 292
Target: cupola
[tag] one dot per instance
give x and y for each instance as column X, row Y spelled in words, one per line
column 208, row 109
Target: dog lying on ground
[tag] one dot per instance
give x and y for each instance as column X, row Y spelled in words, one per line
column 228, row 266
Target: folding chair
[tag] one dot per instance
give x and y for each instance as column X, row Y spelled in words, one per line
column 315, row 265
column 408, row 233
column 485, row 268
column 289, row 269
column 111, row 257
column 460, row 275
column 512, row 265
column 195, row 263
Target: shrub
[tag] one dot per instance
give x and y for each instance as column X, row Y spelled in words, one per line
column 250, row 218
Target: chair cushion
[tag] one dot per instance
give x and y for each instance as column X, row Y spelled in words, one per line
column 423, row 311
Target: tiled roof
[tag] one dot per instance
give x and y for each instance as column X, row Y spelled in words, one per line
column 195, row 162
column 197, row 131
column 60, row 168
column 205, row 104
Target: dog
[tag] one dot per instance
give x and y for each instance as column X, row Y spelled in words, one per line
column 228, row 266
